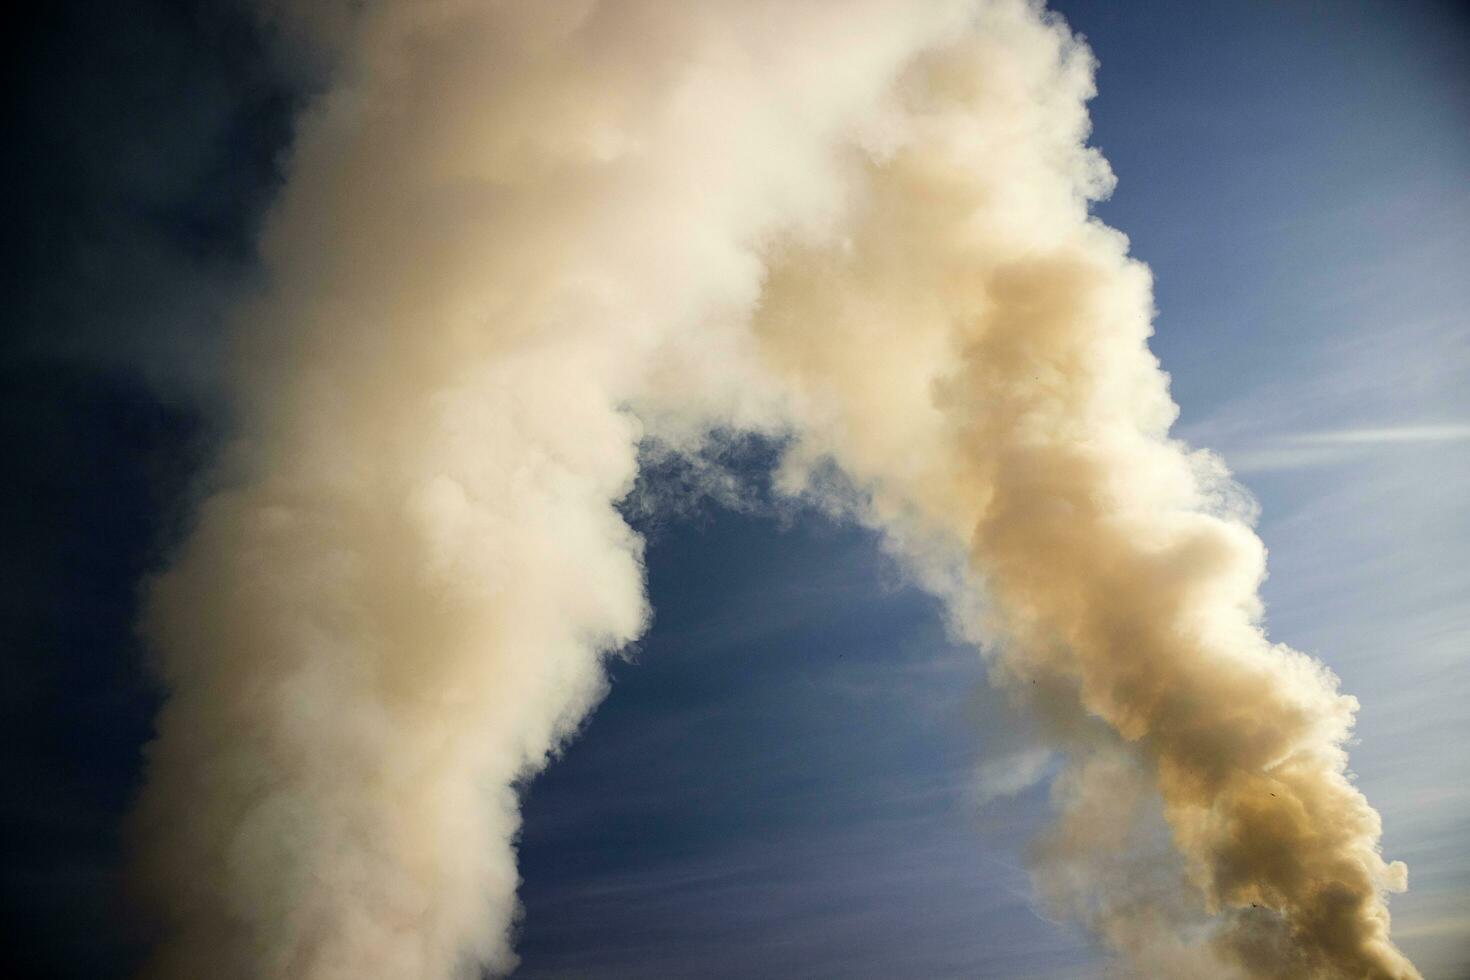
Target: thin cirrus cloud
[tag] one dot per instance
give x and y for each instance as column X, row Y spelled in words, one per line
column 1331, row 447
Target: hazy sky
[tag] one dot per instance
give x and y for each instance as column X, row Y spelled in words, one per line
column 796, row 773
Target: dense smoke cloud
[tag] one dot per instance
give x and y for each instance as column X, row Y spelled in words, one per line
column 518, row 240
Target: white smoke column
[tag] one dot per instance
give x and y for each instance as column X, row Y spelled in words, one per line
column 517, row 238
column 972, row 349
column 397, row 594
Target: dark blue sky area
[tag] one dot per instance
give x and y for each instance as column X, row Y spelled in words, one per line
column 779, row 783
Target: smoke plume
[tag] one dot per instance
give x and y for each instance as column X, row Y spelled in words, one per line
column 519, row 239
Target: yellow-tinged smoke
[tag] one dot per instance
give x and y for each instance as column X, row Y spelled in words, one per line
column 517, row 239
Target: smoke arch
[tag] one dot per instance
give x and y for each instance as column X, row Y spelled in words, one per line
column 519, row 240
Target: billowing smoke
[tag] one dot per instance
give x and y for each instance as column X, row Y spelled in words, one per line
column 518, row 240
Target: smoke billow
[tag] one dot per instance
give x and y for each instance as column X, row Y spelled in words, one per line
column 517, row 240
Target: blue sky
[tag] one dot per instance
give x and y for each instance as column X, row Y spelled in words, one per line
column 789, row 776
column 784, row 781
